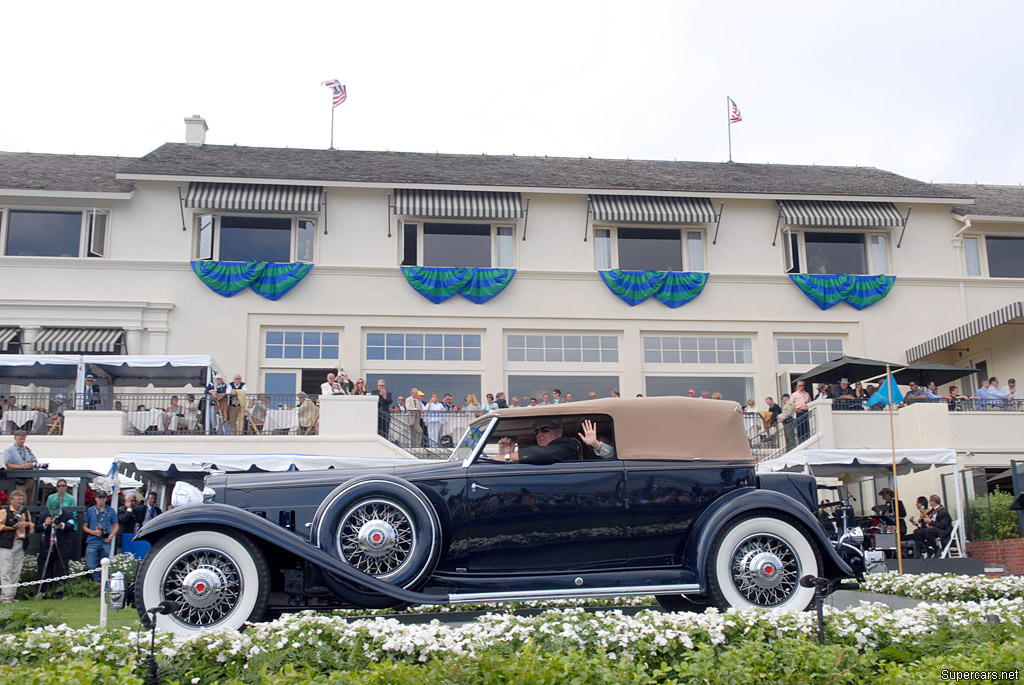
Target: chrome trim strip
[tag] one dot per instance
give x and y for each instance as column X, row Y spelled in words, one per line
column 480, row 445
column 572, row 593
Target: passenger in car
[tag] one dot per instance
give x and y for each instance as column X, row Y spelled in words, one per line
column 600, row 444
column 551, row 446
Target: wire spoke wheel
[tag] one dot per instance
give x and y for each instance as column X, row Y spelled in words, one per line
column 758, row 560
column 376, row 537
column 764, row 569
column 206, row 584
column 217, row 576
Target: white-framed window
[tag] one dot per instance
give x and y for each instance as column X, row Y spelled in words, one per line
column 423, row 346
column 54, row 232
column 451, row 243
column 639, row 248
column 562, row 348
column 735, row 388
column 687, row 349
column 823, row 251
column 995, row 256
column 301, row 344
column 809, row 350
column 259, row 237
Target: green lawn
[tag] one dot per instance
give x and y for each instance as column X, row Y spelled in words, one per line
column 76, row 612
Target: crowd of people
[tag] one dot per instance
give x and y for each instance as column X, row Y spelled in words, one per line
column 933, row 525
column 58, row 521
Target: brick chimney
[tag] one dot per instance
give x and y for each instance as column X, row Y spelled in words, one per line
column 195, row 130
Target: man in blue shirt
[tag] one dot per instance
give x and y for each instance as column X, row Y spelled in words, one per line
column 101, row 527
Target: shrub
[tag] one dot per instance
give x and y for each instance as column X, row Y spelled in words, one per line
column 990, row 518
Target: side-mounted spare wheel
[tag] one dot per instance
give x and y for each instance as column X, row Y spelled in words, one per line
column 383, row 526
column 217, row 577
column 757, row 560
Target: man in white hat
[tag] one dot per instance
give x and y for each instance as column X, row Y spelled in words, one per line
column 845, row 396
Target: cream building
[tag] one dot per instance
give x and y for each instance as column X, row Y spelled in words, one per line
column 106, row 243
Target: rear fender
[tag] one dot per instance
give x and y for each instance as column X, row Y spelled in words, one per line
column 698, row 546
column 225, row 516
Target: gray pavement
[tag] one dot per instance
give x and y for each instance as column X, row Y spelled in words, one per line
column 842, row 599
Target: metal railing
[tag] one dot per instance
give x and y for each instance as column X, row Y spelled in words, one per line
column 412, row 431
column 777, row 439
column 953, row 403
column 192, row 414
column 39, row 413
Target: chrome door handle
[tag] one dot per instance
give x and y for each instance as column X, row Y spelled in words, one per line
column 474, row 487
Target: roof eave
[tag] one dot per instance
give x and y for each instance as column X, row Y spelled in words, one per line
column 183, row 178
column 67, row 194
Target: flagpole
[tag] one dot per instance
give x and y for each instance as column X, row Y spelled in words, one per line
column 895, row 485
column 332, row 125
column 728, row 118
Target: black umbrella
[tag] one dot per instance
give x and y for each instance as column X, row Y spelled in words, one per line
column 854, row 368
column 923, row 372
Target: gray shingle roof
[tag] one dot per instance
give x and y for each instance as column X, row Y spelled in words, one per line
column 1005, row 201
column 179, row 160
column 62, row 173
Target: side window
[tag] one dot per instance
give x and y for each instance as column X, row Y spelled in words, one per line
column 204, row 236
column 97, row 233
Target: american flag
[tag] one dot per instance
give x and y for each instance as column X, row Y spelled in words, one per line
column 338, row 90
column 734, row 112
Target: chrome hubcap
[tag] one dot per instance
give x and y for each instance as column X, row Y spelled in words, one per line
column 765, row 569
column 376, row 537
column 206, row 584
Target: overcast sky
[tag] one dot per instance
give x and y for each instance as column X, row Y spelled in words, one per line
column 930, row 90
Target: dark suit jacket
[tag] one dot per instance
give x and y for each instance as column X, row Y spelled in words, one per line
column 560, row 449
column 383, row 401
column 65, row 535
column 942, row 521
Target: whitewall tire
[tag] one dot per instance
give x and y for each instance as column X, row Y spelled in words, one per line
column 219, row 579
column 758, row 562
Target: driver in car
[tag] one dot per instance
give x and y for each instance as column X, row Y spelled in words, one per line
column 551, row 446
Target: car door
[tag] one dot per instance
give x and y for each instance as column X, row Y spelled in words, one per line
column 534, row 518
column 666, row 497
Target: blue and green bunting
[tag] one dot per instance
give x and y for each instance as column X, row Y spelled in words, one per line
column 277, row 279
column 868, row 289
column 439, row 283
column 680, row 287
column 672, row 288
column 270, row 279
column 828, row 290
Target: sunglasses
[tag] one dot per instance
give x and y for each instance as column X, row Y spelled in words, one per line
column 545, row 430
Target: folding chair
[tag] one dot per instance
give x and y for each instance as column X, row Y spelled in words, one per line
column 954, row 540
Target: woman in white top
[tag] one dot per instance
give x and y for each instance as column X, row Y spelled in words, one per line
column 433, row 416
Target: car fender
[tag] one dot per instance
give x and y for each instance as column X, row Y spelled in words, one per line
column 226, row 516
column 698, row 545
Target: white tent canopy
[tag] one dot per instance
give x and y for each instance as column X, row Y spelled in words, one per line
column 837, row 463
column 51, row 370
column 840, row 463
column 161, row 370
column 170, row 463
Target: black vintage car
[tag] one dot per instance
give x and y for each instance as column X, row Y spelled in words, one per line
column 676, row 511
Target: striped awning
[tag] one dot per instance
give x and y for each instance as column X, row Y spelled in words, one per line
column 968, row 330
column 651, row 209
column 7, row 335
column 840, row 214
column 80, row 340
column 251, row 197
column 458, row 204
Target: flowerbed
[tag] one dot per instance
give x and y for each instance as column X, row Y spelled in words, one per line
column 565, row 645
column 945, row 587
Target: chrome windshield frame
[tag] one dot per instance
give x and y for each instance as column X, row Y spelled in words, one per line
column 481, row 444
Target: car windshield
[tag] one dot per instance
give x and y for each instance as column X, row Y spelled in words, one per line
column 474, row 434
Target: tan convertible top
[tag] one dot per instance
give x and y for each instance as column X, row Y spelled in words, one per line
column 676, row 428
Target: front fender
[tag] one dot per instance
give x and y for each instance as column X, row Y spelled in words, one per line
column 698, row 546
column 225, row 516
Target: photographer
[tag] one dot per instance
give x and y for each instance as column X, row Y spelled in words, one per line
column 58, row 531
column 101, row 526
column 15, row 527
column 19, row 457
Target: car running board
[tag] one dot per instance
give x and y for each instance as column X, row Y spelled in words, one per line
column 573, row 593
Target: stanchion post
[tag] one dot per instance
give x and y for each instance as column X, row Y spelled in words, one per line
column 104, row 575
